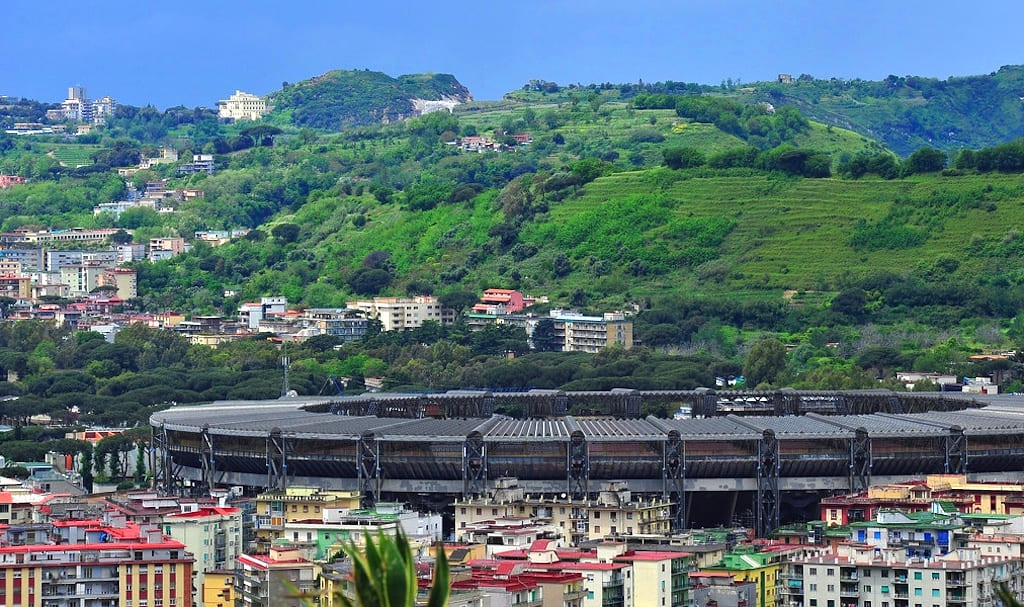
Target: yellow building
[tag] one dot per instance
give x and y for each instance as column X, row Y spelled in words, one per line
column 275, row 509
column 131, row 566
column 219, row 589
column 658, row 577
column 401, row 313
column 746, row 564
column 615, row 512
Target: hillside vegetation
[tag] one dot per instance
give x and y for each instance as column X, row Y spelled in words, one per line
column 352, row 97
column 907, row 112
column 724, row 226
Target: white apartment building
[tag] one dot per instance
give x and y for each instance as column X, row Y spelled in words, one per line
column 864, row 576
column 400, row 313
column 213, row 535
column 241, row 106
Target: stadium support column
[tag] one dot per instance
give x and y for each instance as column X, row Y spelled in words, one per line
column 673, row 473
column 163, row 475
column 474, row 466
column 786, row 402
column 956, row 451
column 206, row 460
column 705, row 404
column 488, row 405
column 369, row 469
column 579, row 466
column 560, row 404
column 860, row 461
column 768, row 466
column 277, row 461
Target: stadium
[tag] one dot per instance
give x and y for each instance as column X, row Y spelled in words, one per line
column 766, row 454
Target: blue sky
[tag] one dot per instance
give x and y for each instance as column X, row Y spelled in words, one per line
column 193, row 53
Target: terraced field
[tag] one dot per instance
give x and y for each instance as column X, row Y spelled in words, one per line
column 73, row 155
column 795, row 234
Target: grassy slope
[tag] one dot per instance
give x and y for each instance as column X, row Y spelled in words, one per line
column 73, row 154
column 794, row 234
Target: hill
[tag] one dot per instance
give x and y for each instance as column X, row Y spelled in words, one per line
column 351, row 97
column 902, row 112
column 909, row 112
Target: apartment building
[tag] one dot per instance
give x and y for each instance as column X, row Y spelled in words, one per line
column 165, row 248
column 212, row 534
column 77, row 235
column 81, row 279
column 983, row 497
column 570, row 331
column 31, row 259
column 275, row 509
column 747, row 564
column 15, row 286
column 613, row 513
column 866, row 576
column 274, row 579
column 320, row 539
column 97, row 563
column 346, row 325
column 252, row 313
column 401, row 313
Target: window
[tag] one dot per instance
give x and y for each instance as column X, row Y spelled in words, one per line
column 813, row 603
column 936, row 575
column 867, row 588
column 885, row 590
column 917, row 592
column 865, row 572
column 813, row 571
column 597, row 514
column 885, row 573
column 831, row 603
column 831, row 587
column 814, row 587
column 935, row 592
column 597, row 528
column 878, row 535
column 917, row 575
column 830, row 571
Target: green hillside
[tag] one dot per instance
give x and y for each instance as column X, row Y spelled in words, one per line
column 353, row 97
column 909, row 112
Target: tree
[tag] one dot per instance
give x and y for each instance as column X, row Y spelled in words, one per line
column 879, row 358
column 682, row 158
column 850, row 302
column 120, row 237
column 926, row 160
column 286, row 232
column 765, row 362
column 366, row 281
column 459, row 300
column 544, row 339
